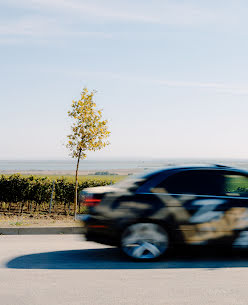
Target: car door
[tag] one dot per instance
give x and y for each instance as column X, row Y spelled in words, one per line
column 195, row 199
column 236, row 190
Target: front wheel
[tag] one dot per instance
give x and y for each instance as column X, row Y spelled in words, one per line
column 144, row 241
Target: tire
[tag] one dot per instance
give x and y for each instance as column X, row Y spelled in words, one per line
column 144, row 241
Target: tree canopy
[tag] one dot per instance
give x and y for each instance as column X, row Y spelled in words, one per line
column 89, row 131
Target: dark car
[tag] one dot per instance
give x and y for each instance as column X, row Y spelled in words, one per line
column 146, row 215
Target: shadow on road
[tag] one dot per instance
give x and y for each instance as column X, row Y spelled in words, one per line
column 111, row 258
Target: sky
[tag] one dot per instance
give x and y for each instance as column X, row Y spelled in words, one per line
column 171, row 76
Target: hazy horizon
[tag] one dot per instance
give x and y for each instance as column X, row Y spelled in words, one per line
column 112, row 165
column 124, row 159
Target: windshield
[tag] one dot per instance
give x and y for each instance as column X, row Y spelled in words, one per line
column 134, row 181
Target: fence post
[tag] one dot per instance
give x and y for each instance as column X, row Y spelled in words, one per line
column 51, row 200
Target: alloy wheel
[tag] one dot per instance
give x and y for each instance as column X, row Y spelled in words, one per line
column 144, row 241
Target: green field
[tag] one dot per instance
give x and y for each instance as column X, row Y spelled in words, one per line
column 71, row 178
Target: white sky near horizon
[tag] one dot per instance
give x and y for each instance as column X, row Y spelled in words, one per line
column 171, row 76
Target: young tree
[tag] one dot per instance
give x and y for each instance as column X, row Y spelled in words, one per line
column 88, row 131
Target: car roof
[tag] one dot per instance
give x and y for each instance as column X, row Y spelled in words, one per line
column 195, row 167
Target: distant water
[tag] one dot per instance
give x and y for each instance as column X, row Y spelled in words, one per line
column 70, row 165
column 64, row 165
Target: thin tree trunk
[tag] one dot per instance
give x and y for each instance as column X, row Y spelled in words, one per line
column 20, row 208
column 23, row 205
column 65, row 208
column 76, row 184
column 79, row 207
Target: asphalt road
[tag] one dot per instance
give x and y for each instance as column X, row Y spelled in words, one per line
column 64, row 269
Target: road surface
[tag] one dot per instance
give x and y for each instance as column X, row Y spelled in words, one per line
column 64, row 269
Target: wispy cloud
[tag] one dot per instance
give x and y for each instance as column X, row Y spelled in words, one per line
column 40, row 29
column 166, row 12
column 27, row 26
column 219, row 87
column 43, row 19
column 227, row 88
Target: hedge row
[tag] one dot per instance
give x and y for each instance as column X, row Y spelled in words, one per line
column 17, row 188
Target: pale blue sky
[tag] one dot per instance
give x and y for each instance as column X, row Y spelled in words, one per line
column 171, row 75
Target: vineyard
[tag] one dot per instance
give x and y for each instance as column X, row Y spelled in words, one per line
column 43, row 195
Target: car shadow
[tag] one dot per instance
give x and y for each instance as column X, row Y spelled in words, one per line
column 111, row 258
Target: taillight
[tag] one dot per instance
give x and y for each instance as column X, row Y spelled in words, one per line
column 91, row 201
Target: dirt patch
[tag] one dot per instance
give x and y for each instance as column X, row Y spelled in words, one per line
column 38, row 221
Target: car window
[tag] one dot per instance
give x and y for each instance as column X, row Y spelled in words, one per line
column 199, row 182
column 236, row 185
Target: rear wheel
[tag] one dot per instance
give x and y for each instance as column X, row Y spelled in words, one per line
column 144, row 241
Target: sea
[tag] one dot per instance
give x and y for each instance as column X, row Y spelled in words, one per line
column 105, row 165
column 69, row 165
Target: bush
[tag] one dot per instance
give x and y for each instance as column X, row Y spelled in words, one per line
column 16, row 188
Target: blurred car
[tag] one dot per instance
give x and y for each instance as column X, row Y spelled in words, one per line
column 148, row 214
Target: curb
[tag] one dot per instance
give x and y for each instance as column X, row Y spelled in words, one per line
column 41, row 230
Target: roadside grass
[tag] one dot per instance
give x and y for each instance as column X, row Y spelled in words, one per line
column 17, row 223
column 37, row 220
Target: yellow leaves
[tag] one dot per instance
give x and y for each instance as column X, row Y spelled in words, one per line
column 89, row 131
